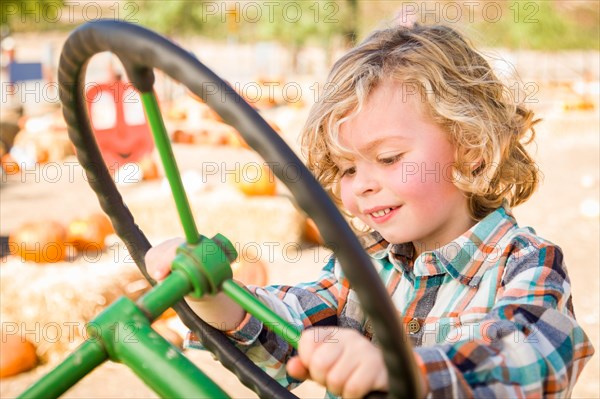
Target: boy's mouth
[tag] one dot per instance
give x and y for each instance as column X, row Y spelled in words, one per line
column 382, row 213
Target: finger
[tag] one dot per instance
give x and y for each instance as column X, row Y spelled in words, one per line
column 158, row 259
column 311, row 339
column 360, row 382
column 296, row 369
column 369, row 375
column 325, row 355
column 306, row 346
column 342, row 369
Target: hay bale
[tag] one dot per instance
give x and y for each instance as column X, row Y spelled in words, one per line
column 260, row 220
column 50, row 304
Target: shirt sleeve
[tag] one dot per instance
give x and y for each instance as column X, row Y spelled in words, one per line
column 305, row 305
column 529, row 345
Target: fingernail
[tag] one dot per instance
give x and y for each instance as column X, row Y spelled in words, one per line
column 157, row 275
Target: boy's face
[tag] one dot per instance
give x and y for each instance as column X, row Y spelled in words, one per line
column 398, row 176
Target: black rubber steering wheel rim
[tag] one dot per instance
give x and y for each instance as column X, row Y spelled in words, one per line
column 140, row 50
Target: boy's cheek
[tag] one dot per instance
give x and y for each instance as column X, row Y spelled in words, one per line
column 348, row 200
column 421, row 181
column 409, row 187
column 414, row 174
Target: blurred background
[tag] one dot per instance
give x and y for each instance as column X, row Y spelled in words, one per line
column 61, row 261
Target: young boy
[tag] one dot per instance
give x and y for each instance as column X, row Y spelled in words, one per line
column 419, row 140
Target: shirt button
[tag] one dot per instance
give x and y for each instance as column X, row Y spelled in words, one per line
column 414, row 326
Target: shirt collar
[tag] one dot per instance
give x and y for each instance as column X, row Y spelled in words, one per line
column 465, row 259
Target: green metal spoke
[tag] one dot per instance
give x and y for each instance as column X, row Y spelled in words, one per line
column 172, row 289
column 77, row 365
column 271, row 320
column 163, row 144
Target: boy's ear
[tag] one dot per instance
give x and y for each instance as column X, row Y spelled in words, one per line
column 469, row 160
column 472, row 168
column 477, row 167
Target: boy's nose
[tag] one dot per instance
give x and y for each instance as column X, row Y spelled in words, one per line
column 365, row 182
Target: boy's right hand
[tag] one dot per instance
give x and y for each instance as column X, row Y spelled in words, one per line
column 159, row 258
column 218, row 310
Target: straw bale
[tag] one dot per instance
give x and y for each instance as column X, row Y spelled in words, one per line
column 50, row 304
column 263, row 220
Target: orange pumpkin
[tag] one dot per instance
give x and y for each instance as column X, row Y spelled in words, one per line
column 18, row 355
column 9, row 165
column 206, row 112
column 85, row 236
column 89, row 233
column 176, row 112
column 183, row 137
column 274, row 126
column 103, row 222
column 41, row 242
column 249, row 269
column 167, row 314
column 254, row 179
column 162, row 328
column 235, row 139
column 311, row 232
column 149, row 168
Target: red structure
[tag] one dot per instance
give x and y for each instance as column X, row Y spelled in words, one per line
column 119, row 123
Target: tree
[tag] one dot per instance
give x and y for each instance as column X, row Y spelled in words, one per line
column 180, row 17
column 296, row 23
column 30, row 14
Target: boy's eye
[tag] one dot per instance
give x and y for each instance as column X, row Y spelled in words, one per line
column 390, row 160
column 349, row 171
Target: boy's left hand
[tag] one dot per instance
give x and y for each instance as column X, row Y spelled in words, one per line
column 342, row 360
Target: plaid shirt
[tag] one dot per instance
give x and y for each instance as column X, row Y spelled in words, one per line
column 489, row 314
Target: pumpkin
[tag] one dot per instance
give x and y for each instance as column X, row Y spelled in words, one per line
column 298, row 104
column 311, row 232
column 89, row 233
column 9, row 165
column 205, row 112
column 18, row 355
column 211, row 132
column 177, row 111
column 167, row 314
column 183, row 137
column 149, row 168
column 103, row 223
column 84, row 235
column 253, row 179
column 580, row 104
column 258, row 96
column 41, row 242
column 274, row 126
column 236, row 140
column 249, row 269
column 163, row 329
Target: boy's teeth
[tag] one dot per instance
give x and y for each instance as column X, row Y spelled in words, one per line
column 382, row 212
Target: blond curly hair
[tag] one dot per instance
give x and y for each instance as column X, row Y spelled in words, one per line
column 462, row 95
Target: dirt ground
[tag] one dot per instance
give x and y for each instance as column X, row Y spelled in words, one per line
column 564, row 210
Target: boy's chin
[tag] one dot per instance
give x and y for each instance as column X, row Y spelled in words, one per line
column 394, row 237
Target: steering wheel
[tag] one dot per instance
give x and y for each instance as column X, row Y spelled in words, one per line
column 140, row 51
